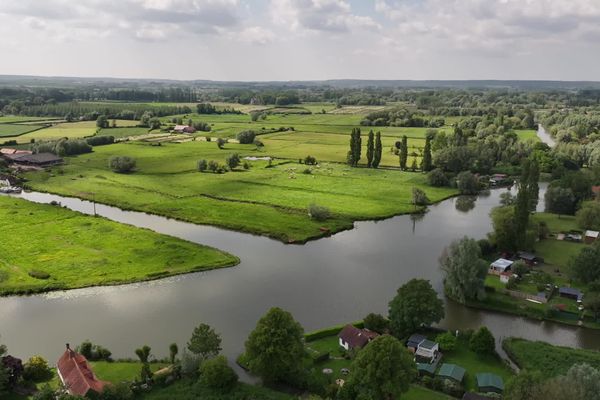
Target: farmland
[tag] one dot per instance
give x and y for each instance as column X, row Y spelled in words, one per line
column 10, row 130
column 24, row 133
column 52, row 248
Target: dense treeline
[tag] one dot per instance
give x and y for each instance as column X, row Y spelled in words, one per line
column 401, row 117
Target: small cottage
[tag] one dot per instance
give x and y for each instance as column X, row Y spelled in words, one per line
column 487, row 382
column 591, row 236
column 351, row 337
column 499, row 266
column 529, row 258
column 414, row 341
column 184, row 129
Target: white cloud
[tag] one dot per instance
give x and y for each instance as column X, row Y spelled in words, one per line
column 256, row 35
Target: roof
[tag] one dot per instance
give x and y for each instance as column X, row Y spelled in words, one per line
column 596, row 189
column 489, row 380
column 76, row 374
column 527, row 256
column 570, row 291
column 592, row 234
column 427, row 367
column 452, row 371
column 39, row 158
column 414, row 340
column 501, row 263
column 356, row 337
column 428, row 344
column 7, row 151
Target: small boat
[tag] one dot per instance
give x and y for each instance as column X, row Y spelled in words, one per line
column 10, row 189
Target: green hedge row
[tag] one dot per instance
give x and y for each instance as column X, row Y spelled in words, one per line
column 334, row 330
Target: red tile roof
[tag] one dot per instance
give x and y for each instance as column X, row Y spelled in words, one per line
column 76, row 374
column 596, row 189
column 356, row 337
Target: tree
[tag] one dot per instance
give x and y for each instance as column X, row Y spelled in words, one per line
column 403, row 155
column 173, row 350
column 507, row 199
column 588, row 216
column 533, row 186
column 376, row 323
column 122, row 164
column 467, row 183
column 102, row 121
column 246, row 137
column 202, row 165
column 525, row 385
column 221, row 143
column 143, row 354
column 382, row 370
column 113, row 123
column 437, row 178
column 205, row 342
column 275, row 348
column 318, row 213
column 233, row 161
column 378, row 151
column 413, row 166
column 586, row 378
column 3, row 373
column 464, row 270
column 447, row 341
column 482, row 342
column 216, row 374
column 419, row 198
column 416, row 305
column 592, row 303
column 585, row 267
column 355, row 147
column 426, row 163
column 523, row 204
column 36, row 369
column 154, row 123
column 370, row 148
column 559, row 200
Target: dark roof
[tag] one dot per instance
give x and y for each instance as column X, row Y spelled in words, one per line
column 415, row 340
column 427, row 344
column 474, row 396
column 356, row 337
column 427, row 367
column 527, row 256
column 487, row 380
column 452, row 371
column 39, row 158
column 570, row 291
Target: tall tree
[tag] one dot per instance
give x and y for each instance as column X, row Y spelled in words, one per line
column 275, row 348
column 523, row 205
column 416, row 304
column 533, row 186
column 205, row 342
column 173, row 350
column 143, row 354
column 378, row 151
column 370, row 148
column 403, row 153
column 464, row 270
column 426, row 163
column 383, row 370
column 355, row 147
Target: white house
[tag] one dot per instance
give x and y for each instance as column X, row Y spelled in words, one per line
column 499, row 266
column 427, row 349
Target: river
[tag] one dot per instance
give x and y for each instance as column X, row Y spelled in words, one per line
column 545, row 136
column 324, row 282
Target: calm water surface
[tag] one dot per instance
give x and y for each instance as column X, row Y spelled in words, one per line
column 325, row 282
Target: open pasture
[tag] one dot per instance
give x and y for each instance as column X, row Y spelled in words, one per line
column 10, row 130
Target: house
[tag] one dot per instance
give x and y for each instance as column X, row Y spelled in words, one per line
column 184, row 129
column 76, row 375
column 505, row 276
column 38, row 160
column 487, row 383
column 452, row 372
column 570, row 293
column 414, row 341
column 529, row 258
column 427, row 350
column 498, row 179
column 499, row 266
column 351, row 337
column 591, row 236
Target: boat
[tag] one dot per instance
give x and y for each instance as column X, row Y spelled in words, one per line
column 10, row 189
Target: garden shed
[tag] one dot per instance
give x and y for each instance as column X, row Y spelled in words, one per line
column 452, row 372
column 487, row 382
column 500, row 265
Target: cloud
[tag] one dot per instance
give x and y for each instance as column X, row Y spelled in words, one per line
column 256, row 35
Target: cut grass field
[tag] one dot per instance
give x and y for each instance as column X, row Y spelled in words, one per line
column 6, row 119
column 7, row 130
column 264, row 200
column 45, row 247
column 71, row 130
column 121, row 371
column 548, row 359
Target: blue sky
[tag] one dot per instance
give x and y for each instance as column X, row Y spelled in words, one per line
column 302, row 39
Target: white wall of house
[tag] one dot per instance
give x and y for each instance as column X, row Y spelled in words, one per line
column 345, row 345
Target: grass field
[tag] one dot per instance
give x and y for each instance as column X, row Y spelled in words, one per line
column 77, row 250
column 548, row 359
column 71, row 130
column 20, row 119
column 268, row 201
column 117, row 371
column 7, row 130
column 122, row 132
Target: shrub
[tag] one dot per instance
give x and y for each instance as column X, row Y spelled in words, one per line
column 438, row 178
column 520, row 268
column 221, row 143
column 307, row 171
column 36, row 369
column 202, row 126
column 213, row 166
column 482, row 342
column 122, row 164
column 119, row 391
column 318, row 213
column 233, row 161
column 37, row 274
column 447, row 341
column 202, row 165
column 310, row 160
column 246, row 137
column 246, row 165
column 376, row 323
column 216, row 374
column 189, row 363
column 100, row 140
column 467, row 183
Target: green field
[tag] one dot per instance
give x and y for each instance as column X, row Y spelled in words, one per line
column 77, row 250
column 123, row 132
column 21, row 119
column 71, row 130
column 268, row 201
column 7, row 130
column 548, row 359
column 117, row 371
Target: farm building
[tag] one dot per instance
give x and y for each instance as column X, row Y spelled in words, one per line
column 184, row 129
column 8, row 151
column 570, row 293
column 352, row 337
column 591, row 236
column 499, row 266
column 77, row 376
column 452, row 372
column 38, row 160
column 499, row 179
column 487, row 383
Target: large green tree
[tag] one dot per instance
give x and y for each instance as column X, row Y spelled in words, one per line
column 355, row 147
column 464, row 270
column 585, row 267
column 205, row 342
column 533, row 186
column 482, row 342
column 378, row 151
column 524, row 386
column 560, row 200
column 416, row 304
column 383, row 370
column 426, row 163
column 588, row 217
column 370, row 148
column 275, row 348
column 403, row 155
column 522, row 204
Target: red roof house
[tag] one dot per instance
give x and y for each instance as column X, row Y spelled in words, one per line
column 76, row 374
column 352, row 337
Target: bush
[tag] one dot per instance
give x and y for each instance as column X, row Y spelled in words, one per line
column 233, row 161
column 318, row 213
column 307, row 171
column 189, row 363
column 520, row 268
column 310, row 160
column 36, row 369
column 122, row 164
column 482, row 342
column 37, row 274
column 202, row 126
column 202, row 165
column 221, row 143
column 246, row 165
column 447, row 341
column 213, row 166
column 100, row 140
column 119, row 391
column 376, row 323
column 467, row 183
column 216, row 374
column 437, row 178
column 246, row 137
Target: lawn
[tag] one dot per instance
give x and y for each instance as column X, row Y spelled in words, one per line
column 527, row 134
column 7, row 130
column 557, row 223
column 45, row 247
column 265, row 200
column 117, row 371
column 123, row 132
column 548, row 359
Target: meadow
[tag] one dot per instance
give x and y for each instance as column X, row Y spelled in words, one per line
column 267, row 200
column 45, row 247
column 9, row 130
column 24, row 133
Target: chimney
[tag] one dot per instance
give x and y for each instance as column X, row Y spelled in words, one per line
column 68, row 347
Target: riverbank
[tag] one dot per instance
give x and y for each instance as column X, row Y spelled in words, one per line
column 46, row 248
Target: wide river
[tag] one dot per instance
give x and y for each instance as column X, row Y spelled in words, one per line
column 324, row 282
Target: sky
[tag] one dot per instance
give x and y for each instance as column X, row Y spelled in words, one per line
column 258, row 40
